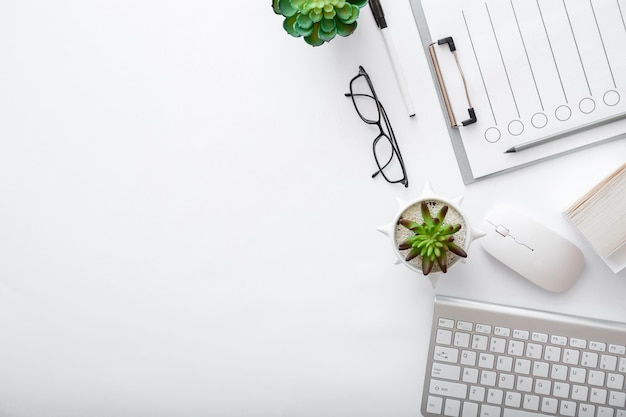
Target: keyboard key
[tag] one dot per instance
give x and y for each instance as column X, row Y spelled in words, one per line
column 479, row 342
column 452, row 408
column 559, row 372
column 539, row 337
column 506, row 381
column 468, row 358
column 598, row 396
column 470, row 410
column 483, row 328
column 486, row 360
column 561, row 390
column 434, row 404
column 586, row 410
column 568, row 408
column 596, row 378
column 615, row 381
column 617, row 349
column 605, row 412
column 502, row 331
column 531, row 402
column 580, row 393
column 488, row 378
column 520, row 413
column 465, row 326
column 447, row 323
column 516, row 348
column 489, row 411
column 552, row 354
column 443, row 371
column 513, row 399
column 524, row 384
column 470, row 375
column 504, row 363
column 608, row 362
column 495, row 396
column 578, row 375
column 589, row 360
column 449, row 389
column 622, row 365
column 617, row 399
column 558, row 340
column 522, row 366
column 461, row 339
column 578, row 343
column 497, row 345
column 571, row 356
column 445, row 354
column 541, row 369
column 477, row 394
column 549, row 405
column 534, row 351
column 520, row 334
column 543, row 387
column 444, row 337
column 597, row 346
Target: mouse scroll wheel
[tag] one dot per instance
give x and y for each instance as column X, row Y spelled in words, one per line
column 502, row 230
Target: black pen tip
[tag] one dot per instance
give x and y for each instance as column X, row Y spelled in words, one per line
column 412, row 115
column 510, row 150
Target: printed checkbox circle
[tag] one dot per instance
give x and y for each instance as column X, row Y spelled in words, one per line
column 516, row 127
column 611, row 98
column 587, row 105
column 563, row 113
column 539, row 120
column 492, row 135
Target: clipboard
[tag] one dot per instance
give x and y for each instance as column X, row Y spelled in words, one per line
column 571, row 137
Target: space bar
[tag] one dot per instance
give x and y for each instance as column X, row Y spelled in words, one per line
column 509, row 412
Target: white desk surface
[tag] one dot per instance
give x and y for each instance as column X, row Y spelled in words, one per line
column 188, row 223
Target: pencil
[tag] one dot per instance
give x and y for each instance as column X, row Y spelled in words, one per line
column 565, row 133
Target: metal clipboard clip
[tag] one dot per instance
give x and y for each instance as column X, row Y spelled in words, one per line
column 442, row 86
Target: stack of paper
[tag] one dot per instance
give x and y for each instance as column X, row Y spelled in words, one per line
column 600, row 215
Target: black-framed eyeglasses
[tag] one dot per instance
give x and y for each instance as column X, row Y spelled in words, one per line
column 371, row 111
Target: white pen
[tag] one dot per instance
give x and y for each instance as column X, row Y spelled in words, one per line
column 379, row 16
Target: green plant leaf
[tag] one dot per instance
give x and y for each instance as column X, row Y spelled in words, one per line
column 285, row 8
column 314, row 39
column 412, row 254
column 344, row 29
column 358, row 3
column 289, row 24
column 426, row 213
column 411, row 225
column 452, row 247
column 276, row 7
column 442, row 262
column 442, row 213
column 427, row 266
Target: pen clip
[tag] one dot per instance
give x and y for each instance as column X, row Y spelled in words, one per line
column 442, row 86
column 379, row 15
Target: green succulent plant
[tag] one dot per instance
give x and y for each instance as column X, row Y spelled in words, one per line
column 432, row 239
column 318, row 21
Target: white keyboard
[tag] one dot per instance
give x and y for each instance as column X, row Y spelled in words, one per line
column 488, row 360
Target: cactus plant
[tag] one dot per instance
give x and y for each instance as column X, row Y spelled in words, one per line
column 318, row 21
column 432, row 239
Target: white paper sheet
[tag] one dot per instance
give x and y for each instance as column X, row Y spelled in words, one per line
column 534, row 69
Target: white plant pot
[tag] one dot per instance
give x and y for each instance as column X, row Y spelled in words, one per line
column 398, row 233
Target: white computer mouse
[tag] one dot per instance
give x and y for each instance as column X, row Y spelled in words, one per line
column 531, row 249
